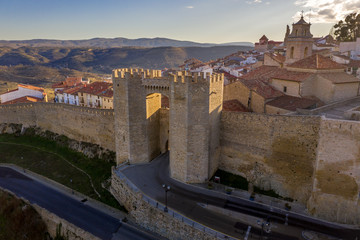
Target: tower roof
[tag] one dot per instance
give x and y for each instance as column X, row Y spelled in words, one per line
column 264, row 38
column 301, row 21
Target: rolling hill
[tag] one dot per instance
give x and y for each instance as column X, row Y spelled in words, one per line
column 113, row 42
column 43, row 66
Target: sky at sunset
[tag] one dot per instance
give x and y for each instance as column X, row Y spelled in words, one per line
column 215, row 21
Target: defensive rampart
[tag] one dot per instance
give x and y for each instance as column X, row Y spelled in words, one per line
column 79, row 123
column 272, row 152
column 311, row 159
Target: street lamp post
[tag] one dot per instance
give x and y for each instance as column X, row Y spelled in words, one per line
column 265, row 226
column 166, row 188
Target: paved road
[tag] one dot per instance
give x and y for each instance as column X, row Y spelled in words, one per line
column 185, row 199
column 74, row 211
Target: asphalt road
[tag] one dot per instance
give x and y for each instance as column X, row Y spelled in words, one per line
column 185, row 199
column 90, row 219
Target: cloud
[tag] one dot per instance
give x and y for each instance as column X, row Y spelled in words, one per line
column 326, row 11
column 254, row 1
column 190, row 7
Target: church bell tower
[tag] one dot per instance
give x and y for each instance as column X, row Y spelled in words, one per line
column 299, row 42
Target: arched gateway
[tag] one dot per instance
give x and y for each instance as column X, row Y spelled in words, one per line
column 194, row 120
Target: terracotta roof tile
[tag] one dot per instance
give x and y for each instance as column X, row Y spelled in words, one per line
column 109, row 93
column 234, row 106
column 316, row 61
column 262, row 88
column 284, row 74
column 95, row 88
column 341, row 77
column 264, row 73
column 354, row 63
column 277, row 57
column 292, row 103
column 25, row 99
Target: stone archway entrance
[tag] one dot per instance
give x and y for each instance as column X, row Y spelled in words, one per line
column 157, row 117
column 194, row 120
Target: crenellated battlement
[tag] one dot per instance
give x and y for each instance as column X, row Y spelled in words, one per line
column 126, row 73
column 49, row 106
column 149, row 77
column 196, row 77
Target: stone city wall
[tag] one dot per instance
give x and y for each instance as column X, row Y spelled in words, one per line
column 271, row 152
column 79, row 123
column 311, row 159
column 335, row 195
column 69, row 230
column 150, row 214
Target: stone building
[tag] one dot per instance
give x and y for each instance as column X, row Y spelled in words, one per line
column 305, row 79
column 265, row 44
column 299, row 42
column 24, row 93
column 190, row 128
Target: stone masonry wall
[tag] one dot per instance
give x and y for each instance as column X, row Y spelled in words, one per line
column 68, row 229
column 171, row 225
column 79, row 123
column 272, row 152
column 336, row 190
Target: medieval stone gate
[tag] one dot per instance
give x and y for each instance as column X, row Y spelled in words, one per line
column 193, row 125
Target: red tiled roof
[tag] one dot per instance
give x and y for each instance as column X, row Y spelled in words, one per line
column 58, row 85
column 25, row 99
column 73, row 90
column 262, row 88
column 73, row 80
column 284, row 74
column 316, row 61
column 292, row 103
column 109, row 93
column 234, row 106
column 340, row 77
column 276, row 57
column 69, row 81
column 354, row 63
column 263, row 73
column 95, row 88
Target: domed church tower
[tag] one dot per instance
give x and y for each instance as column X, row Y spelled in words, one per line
column 299, row 42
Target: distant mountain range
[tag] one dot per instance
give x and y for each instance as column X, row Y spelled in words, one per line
column 45, row 65
column 114, row 43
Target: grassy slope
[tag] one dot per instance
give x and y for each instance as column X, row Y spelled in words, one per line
column 19, row 220
column 47, row 158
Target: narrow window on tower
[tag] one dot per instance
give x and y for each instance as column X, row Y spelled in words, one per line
column 305, row 52
column 292, row 52
column 285, row 89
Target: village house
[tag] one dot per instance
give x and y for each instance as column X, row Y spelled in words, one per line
column 93, row 95
column 23, row 94
column 265, row 44
column 301, row 79
column 351, row 49
column 68, row 83
column 68, row 95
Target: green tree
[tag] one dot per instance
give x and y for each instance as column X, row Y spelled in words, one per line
column 348, row 30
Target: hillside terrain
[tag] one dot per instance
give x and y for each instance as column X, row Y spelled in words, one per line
column 43, row 66
column 114, row 42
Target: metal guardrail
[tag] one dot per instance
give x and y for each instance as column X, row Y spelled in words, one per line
column 171, row 212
